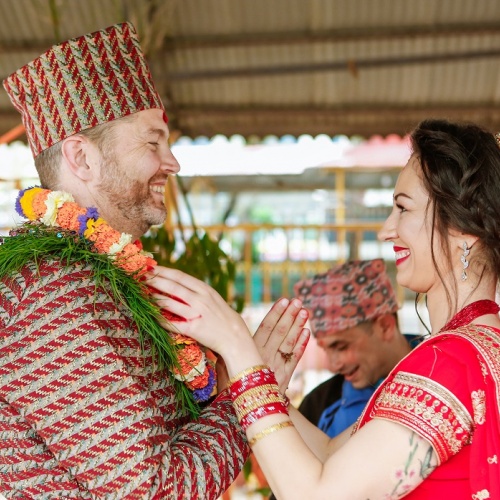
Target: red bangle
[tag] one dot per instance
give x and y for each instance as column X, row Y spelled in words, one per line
column 254, row 380
column 262, row 411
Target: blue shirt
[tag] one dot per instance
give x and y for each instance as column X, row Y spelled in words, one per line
column 346, row 410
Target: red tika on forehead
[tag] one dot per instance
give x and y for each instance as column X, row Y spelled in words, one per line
column 81, row 83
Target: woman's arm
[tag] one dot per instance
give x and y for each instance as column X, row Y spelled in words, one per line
column 382, row 460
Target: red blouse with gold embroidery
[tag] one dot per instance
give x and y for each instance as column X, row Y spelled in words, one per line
column 447, row 391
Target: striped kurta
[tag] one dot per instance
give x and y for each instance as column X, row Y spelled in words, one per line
column 82, row 412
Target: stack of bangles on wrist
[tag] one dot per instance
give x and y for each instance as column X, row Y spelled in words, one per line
column 255, row 394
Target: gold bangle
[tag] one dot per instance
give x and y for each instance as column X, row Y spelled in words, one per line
column 270, row 430
column 248, row 371
column 243, row 412
column 259, row 391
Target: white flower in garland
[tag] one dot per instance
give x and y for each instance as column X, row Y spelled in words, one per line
column 55, row 200
column 117, row 247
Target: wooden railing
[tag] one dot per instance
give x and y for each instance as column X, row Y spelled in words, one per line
column 270, row 259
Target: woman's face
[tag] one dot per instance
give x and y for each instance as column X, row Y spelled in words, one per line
column 409, row 228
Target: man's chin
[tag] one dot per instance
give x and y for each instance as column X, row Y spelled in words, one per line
column 156, row 217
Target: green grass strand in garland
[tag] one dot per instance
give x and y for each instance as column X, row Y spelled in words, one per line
column 34, row 242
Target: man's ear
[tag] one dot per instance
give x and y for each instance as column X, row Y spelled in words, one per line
column 77, row 153
column 386, row 323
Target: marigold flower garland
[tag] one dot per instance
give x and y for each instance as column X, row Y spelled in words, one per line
column 62, row 217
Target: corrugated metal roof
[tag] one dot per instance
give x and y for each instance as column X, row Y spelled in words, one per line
column 290, row 66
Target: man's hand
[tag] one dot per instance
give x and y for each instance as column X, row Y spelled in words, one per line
column 281, row 338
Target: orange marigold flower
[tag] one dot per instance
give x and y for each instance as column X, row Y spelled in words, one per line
column 178, row 338
column 67, row 216
column 38, row 203
column 199, row 382
column 129, row 250
column 133, row 264
column 189, row 357
column 104, row 236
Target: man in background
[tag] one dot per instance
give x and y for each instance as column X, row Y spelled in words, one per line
column 353, row 315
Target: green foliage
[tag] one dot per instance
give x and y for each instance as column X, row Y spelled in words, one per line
column 202, row 257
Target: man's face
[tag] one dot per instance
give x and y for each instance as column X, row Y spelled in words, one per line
column 135, row 171
column 357, row 353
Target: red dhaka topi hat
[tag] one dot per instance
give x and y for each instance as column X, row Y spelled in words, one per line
column 346, row 295
column 81, row 83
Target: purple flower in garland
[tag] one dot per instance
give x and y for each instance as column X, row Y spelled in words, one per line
column 204, row 394
column 91, row 213
column 19, row 208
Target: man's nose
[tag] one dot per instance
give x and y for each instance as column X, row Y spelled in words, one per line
column 169, row 162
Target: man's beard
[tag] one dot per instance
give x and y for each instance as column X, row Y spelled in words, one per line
column 132, row 198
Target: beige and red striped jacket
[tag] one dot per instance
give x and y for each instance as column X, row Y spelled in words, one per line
column 82, row 412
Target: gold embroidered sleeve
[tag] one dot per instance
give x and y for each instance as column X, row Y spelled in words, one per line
column 429, row 409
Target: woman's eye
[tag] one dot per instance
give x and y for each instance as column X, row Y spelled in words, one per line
column 401, row 208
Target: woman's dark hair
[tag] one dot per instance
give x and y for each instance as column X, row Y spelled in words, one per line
column 461, row 172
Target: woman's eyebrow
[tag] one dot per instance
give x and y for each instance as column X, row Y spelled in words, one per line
column 396, row 196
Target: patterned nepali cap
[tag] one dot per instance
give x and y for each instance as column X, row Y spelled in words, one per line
column 81, row 83
column 347, row 295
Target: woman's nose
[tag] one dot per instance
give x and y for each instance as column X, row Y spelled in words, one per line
column 388, row 230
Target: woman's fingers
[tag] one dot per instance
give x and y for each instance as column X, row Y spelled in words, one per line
column 291, row 333
column 205, row 315
column 281, row 326
column 270, row 321
column 285, row 361
column 161, row 274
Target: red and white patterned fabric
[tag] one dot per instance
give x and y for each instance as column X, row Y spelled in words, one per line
column 82, row 412
column 346, row 295
column 447, row 390
column 81, row 83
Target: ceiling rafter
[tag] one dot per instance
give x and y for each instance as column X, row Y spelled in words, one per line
column 348, row 120
column 332, row 66
column 295, row 37
column 333, row 36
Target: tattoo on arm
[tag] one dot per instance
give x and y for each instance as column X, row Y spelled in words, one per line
column 406, row 477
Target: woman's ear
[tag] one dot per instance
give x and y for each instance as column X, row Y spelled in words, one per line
column 460, row 238
column 77, row 151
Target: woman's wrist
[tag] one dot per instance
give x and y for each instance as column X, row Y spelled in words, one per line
column 241, row 355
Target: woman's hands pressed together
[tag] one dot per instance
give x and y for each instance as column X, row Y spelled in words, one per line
column 196, row 310
column 281, row 339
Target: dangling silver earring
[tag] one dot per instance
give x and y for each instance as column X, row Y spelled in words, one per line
column 464, row 260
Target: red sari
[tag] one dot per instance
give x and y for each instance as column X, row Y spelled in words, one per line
column 447, row 390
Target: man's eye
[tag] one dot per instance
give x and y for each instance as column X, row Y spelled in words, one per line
column 154, row 143
column 338, row 347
